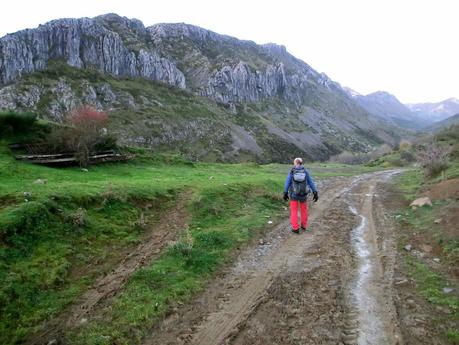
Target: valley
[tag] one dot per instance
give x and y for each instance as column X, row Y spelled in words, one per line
column 184, row 237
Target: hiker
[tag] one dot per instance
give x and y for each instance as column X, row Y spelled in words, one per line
column 296, row 189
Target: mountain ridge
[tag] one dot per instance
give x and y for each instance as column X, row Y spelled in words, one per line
column 436, row 111
column 264, row 97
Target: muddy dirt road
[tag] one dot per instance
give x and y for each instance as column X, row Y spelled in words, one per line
column 329, row 285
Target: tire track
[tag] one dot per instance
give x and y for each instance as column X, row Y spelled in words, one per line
column 167, row 229
column 218, row 315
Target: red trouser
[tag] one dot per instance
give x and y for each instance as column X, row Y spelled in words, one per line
column 294, row 214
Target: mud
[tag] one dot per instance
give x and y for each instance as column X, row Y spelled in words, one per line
column 341, row 282
column 372, row 307
column 312, row 288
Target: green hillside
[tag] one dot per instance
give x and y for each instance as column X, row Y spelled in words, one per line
column 169, row 119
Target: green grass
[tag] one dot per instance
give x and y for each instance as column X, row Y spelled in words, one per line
column 430, row 285
column 57, row 238
column 420, row 221
column 219, row 224
column 409, row 183
column 453, row 336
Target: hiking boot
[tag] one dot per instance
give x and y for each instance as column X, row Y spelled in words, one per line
column 297, row 231
column 303, row 228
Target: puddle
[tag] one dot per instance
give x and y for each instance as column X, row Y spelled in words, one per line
column 366, row 289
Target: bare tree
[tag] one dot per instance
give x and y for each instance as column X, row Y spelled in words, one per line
column 433, row 158
column 82, row 132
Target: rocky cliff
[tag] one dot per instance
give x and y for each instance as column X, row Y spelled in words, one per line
column 84, row 43
column 263, row 101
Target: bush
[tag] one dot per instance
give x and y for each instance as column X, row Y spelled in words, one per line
column 407, row 156
column 347, row 157
column 16, row 123
column 405, row 145
column 83, row 133
column 433, row 158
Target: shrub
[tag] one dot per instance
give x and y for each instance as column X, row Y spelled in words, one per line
column 407, row 156
column 347, row 157
column 405, row 145
column 16, row 123
column 83, row 133
column 433, row 158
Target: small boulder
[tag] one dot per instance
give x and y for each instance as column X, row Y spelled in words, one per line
column 437, row 221
column 410, row 302
column 421, row 202
column 436, row 259
column 402, row 282
column 84, row 170
column 40, row 181
column 447, row 290
column 408, row 247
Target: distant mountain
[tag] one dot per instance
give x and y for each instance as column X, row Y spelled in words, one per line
column 436, row 111
column 387, row 106
column 351, row 92
column 437, row 126
column 179, row 87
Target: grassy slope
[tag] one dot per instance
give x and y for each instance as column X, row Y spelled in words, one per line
column 70, row 230
column 419, row 226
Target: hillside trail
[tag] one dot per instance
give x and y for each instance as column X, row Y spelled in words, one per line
column 157, row 238
column 328, row 285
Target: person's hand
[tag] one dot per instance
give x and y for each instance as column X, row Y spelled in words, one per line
column 316, row 196
column 285, row 196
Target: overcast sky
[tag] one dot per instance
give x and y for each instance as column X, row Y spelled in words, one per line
column 409, row 48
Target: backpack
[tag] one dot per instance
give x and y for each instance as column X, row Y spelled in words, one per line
column 299, row 182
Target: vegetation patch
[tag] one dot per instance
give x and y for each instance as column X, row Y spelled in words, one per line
column 219, row 224
column 429, row 241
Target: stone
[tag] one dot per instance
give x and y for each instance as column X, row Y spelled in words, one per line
column 436, row 259
column 52, row 342
column 410, row 302
column 447, row 290
column 40, row 181
column 408, row 247
column 437, row 221
column 402, row 282
column 424, row 201
column 84, row 170
column 443, row 309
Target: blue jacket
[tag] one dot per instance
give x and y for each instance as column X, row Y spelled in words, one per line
column 288, row 184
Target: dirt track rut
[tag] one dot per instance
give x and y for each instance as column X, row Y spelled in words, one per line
column 298, row 289
column 158, row 236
